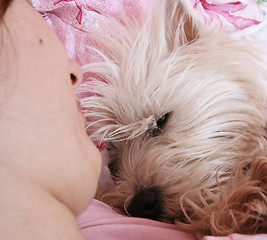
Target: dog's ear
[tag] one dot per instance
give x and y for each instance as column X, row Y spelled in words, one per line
column 182, row 24
column 245, row 201
column 240, row 206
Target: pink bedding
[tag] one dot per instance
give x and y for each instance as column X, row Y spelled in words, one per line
column 99, row 222
column 71, row 20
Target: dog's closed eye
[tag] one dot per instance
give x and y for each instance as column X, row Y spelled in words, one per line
column 160, row 124
column 162, row 120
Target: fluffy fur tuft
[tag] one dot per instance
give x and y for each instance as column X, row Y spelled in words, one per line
column 183, row 111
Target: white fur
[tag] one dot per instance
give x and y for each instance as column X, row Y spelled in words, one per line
column 212, row 86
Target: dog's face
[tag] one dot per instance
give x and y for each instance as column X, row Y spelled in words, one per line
column 176, row 117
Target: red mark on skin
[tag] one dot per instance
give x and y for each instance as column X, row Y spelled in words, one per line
column 80, row 6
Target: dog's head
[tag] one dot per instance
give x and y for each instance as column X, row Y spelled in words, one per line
column 180, row 106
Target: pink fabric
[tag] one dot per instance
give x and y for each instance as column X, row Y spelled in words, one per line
column 239, row 237
column 72, row 19
column 100, row 222
column 241, row 17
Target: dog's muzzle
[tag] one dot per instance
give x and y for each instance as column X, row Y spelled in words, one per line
column 146, row 203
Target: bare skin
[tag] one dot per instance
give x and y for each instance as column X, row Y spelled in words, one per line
column 49, row 167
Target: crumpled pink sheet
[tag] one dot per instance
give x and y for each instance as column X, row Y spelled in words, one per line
column 238, row 17
column 100, row 222
column 71, row 20
column 239, row 237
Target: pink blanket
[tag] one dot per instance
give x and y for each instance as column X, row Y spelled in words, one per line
column 239, row 18
column 100, row 222
column 71, row 20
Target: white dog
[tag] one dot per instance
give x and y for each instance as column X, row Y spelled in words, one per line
column 183, row 111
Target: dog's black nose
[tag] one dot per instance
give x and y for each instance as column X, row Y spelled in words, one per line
column 146, row 204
